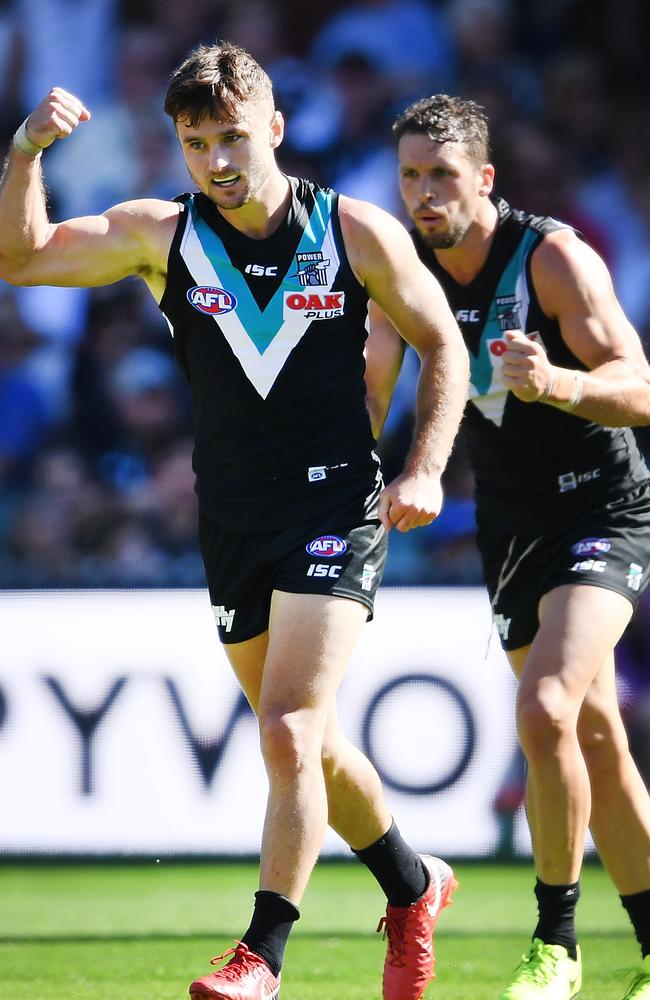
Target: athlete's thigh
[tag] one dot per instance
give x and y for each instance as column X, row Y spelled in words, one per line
column 311, row 638
column 579, row 627
column 247, row 660
column 607, row 547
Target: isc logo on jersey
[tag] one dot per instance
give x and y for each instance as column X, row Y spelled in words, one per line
column 327, row 546
column 211, row 300
column 326, row 305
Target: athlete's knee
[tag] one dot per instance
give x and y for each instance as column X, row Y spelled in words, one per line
column 546, row 718
column 287, row 740
column 603, row 739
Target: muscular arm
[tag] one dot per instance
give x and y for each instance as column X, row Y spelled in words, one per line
column 383, row 257
column 96, row 250
column 574, row 287
column 384, row 356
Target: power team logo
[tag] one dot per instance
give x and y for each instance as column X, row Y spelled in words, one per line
column 508, row 309
column 327, row 305
column 210, row 300
column 327, row 546
column 312, row 268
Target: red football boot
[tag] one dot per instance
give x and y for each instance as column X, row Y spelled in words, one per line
column 245, row 977
column 410, row 960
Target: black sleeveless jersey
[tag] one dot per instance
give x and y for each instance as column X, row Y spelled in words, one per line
column 533, row 462
column 270, row 335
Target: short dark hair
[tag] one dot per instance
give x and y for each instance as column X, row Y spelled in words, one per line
column 448, row 119
column 212, row 81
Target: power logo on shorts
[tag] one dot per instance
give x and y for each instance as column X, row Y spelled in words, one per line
column 211, row 300
column 327, row 546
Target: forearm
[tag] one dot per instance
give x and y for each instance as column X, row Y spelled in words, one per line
column 615, row 394
column 440, row 402
column 23, row 212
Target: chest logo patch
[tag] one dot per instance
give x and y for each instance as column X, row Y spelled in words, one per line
column 312, row 268
column 211, row 300
column 328, row 305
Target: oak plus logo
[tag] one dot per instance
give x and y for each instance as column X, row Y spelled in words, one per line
column 326, row 305
column 211, row 300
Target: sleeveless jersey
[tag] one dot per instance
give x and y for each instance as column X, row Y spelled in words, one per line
column 532, row 462
column 270, row 335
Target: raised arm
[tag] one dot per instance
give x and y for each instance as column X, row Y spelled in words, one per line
column 574, row 287
column 95, row 250
column 384, row 259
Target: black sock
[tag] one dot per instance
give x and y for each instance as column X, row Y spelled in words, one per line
column 638, row 908
column 397, row 868
column 273, row 917
column 557, row 905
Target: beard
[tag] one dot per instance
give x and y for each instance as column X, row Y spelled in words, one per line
column 445, row 241
column 225, row 201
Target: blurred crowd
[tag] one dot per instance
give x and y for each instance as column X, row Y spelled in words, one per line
column 96, row 487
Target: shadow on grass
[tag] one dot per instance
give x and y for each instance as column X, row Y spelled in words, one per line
column 67, row 939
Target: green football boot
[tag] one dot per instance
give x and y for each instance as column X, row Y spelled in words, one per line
column 546, row 973
column 639, row 988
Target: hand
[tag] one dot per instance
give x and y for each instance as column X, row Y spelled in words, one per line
column 526, row 369
column 411, row 500
column 56, row 117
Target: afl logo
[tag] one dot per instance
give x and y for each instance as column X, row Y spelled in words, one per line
column 211, row 300
column 591, row 547
column 327, row 546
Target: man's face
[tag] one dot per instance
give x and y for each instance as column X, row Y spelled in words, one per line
column 441, row 188
column 230, row 161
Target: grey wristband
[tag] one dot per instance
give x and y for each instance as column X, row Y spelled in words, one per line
column 24, row 144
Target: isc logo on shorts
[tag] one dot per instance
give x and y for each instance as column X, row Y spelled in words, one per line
column 211, row 300
column 327, row 546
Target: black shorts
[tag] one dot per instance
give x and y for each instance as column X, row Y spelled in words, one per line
column 608, row 546
column 341, row 553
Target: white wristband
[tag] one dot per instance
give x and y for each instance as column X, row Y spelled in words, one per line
column 576, row 395
column 550, row 385
column 24, row 144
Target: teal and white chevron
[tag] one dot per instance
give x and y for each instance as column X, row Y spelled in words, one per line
column 487, row 390
column 261, row 339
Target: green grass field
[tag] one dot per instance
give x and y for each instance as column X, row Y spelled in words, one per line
column 143, row 932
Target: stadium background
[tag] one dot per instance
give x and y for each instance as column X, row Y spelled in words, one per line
column 95, row 430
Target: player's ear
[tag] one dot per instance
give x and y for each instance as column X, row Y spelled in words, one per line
column 277, row 129
column 486, row 179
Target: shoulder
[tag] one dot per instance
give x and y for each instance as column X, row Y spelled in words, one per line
column 371, row 233
column 562, row 256
column 569, row 276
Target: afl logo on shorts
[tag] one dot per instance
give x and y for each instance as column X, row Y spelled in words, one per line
column 591, row 547
column 327, row 546
column 211, row 300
